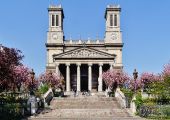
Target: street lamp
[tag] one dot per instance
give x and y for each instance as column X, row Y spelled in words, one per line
column 32, row 73
column 32, row 101
column 135, row 76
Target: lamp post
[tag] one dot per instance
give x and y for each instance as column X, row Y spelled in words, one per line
column 135, row 76
column 32, row 73
column 32, row 101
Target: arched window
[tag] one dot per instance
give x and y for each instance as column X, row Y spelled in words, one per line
column 57, row 20
column 53, row 20
column 115, row 20
column 111, row 20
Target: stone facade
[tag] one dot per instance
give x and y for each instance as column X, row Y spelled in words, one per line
column 81, row 62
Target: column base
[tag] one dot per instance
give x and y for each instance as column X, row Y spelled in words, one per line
column 68, row 93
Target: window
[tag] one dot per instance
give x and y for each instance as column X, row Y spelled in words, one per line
column 115, row 20
column 111, row 20
column 57, row 20
column 53, row 20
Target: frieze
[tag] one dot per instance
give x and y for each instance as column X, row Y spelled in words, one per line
column 84, row 53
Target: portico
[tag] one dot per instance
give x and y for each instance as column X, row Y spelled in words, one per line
column 91, row 80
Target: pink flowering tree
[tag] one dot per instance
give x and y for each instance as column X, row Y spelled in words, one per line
column 50, row 78
column 13, row 74
column 113, row 78
column 31, row 84
column 9, row 58
column 135, row 85
column 166, row 84
column 21, row 76
column 152, row 83
column 166, row 70
column 147, row 78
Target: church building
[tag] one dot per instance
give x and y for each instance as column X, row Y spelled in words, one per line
column 81, row 62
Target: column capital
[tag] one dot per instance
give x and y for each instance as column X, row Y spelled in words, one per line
column 90, row 64
column 57, row 64
column 78, row 64
column 111, row 63
column 67, row 64
column 100, row 64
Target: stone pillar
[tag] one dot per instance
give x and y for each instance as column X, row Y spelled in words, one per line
column 90, row 77
column 111, row 66
column 100, row 82
column 68, row 77
column 57, row 68
column 78, row 78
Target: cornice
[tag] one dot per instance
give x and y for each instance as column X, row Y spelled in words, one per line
column 81, row 45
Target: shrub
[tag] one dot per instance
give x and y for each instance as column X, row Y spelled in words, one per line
column 44, row 88
column 127, row 92
column 139, row 101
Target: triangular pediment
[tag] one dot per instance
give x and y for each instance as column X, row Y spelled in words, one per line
column 84, row 52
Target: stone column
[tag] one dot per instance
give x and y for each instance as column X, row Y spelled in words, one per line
column 57, row 68
column 90, row 77
column 111, row 66
column 78, row 78
column 100, row 82
column 68, row 77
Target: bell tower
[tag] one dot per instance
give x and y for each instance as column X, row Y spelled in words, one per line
column 112, row 16
column 55, row 34
column 55, row 31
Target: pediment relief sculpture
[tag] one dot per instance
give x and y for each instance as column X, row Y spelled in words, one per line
column 84, row 53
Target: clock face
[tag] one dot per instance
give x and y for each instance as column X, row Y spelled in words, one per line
column 114, row 36
column 54, row 36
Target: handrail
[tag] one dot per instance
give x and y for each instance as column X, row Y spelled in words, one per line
column 121, row 97
column 48, row 95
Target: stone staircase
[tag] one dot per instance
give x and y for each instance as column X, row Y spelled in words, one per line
column 85, row 108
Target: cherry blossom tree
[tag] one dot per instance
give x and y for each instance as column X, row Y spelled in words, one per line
column 135, row 85
column 166, row 70
column 112, row 77
column 166, row 85
column 152, row 83
column 50, row 78
column 31, row 84
column 9, row 58
column 147, row 78
column 13, row 73
column 21, row 75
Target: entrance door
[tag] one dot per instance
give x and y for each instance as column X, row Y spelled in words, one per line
column 84, row 83
column 84, row 77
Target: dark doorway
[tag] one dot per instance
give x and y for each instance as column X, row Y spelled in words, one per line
column 73, row 76
column 62, row 69
column 106, row 67
column 84, row 77
column 95, row 75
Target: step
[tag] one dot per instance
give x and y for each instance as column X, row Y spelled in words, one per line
column 85, row 106
column 94, row 118
column 85, row 113
column 86, row 97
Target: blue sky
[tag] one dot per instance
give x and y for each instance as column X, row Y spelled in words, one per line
column 145, row 25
